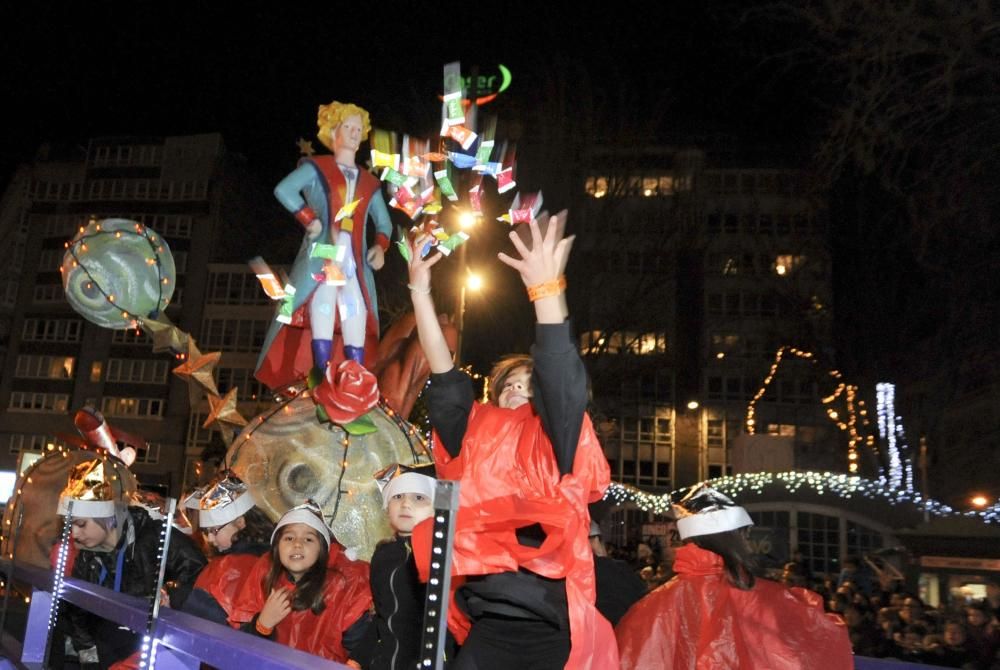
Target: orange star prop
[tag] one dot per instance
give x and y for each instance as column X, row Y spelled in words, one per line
column 197, row 371
column 305, row 147
column 166, row 336
column 224, row 411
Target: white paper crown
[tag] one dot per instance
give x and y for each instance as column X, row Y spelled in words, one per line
column 308, row 513
column 720, row 516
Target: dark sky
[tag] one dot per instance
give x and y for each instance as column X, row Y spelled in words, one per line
column 256, row 72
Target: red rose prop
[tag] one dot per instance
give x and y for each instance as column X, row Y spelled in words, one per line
column 347, row 392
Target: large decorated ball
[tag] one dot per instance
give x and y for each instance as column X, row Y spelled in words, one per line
column 286, row 455
column 117, row 272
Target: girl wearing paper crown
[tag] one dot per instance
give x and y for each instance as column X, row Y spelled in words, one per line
column 334, row 287
column 239, row 532
column 715, row 613
column 529, row 463
column 306, row 592
column 118, row 546
column 408, row 499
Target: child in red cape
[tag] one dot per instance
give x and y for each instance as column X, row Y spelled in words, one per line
column 239, row 532
column 529, row 463
column 306, row 592
column 716, row 614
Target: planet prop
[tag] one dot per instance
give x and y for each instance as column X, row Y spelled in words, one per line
column 118, row 272
column 286, row 455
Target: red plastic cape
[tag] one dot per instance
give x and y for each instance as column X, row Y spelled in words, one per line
column 289, row 358
column 510, row 479
column 224, row 576
column 698, row 620
column 347, row 596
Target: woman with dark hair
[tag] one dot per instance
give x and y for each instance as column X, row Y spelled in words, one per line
column 239, row 532
column 307, row 592
column 717, row 613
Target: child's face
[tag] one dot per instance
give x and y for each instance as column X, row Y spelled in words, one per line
column 298, row 548
column 221, row 537
column 406, row 510
column 89, row 534
column 516, row 389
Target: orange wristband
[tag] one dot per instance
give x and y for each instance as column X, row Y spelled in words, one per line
column 262, row 629
column 547, row 289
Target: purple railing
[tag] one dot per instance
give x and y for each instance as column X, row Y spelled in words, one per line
column 182, row 641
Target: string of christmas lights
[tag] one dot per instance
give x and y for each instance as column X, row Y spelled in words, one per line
column 848, row 425
column 839, row 485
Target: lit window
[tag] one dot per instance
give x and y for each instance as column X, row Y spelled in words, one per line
column 95, row 371
column 786, row 264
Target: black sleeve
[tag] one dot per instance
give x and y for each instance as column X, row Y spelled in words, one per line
column 449, row 401
column 79, row 622
column 360, row 640
column 251, row 627
column 184, row 562
column 560, row 389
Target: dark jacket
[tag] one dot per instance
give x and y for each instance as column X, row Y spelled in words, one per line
column 398, row 596
column 139, row 571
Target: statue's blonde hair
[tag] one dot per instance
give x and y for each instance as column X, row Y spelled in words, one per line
column 332, row 115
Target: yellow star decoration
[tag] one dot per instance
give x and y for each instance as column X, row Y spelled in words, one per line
column 166, row 336
column 305, row 147
column 197, row 371
column 224, row 413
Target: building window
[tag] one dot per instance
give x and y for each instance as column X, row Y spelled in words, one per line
column 45, row 367
column 198, row 436
column 24, row 401
column 242, row 335
column 786, row 264
column 50, row 260
column 235, row 288
column 862, row 540
column 243, row 379
column 48, row 293
column 130, row 337
column 641, row 344
column 52, row 330
column 21, row 442
column 134, row 407
column 819, row 542
column 137, row 371
column 150, row 455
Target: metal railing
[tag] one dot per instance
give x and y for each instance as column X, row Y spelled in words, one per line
column 182, row 641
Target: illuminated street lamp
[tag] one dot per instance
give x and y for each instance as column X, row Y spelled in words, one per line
column 979, row 501
column 693, row 404
column 472, row 282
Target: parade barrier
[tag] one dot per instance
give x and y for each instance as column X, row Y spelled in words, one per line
column 181, row 641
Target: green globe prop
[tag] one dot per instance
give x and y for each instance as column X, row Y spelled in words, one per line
column 117, row 273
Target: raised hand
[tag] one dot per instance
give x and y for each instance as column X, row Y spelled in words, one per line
column 546, row 259
column 420, row 268
column 276, row 608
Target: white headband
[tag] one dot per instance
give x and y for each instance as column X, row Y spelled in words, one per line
column 93, row 509
column 715, row 521
column 220, row 515
column 408, row 482
column 303, row 514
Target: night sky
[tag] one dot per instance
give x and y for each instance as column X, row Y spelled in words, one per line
column 257, row 75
